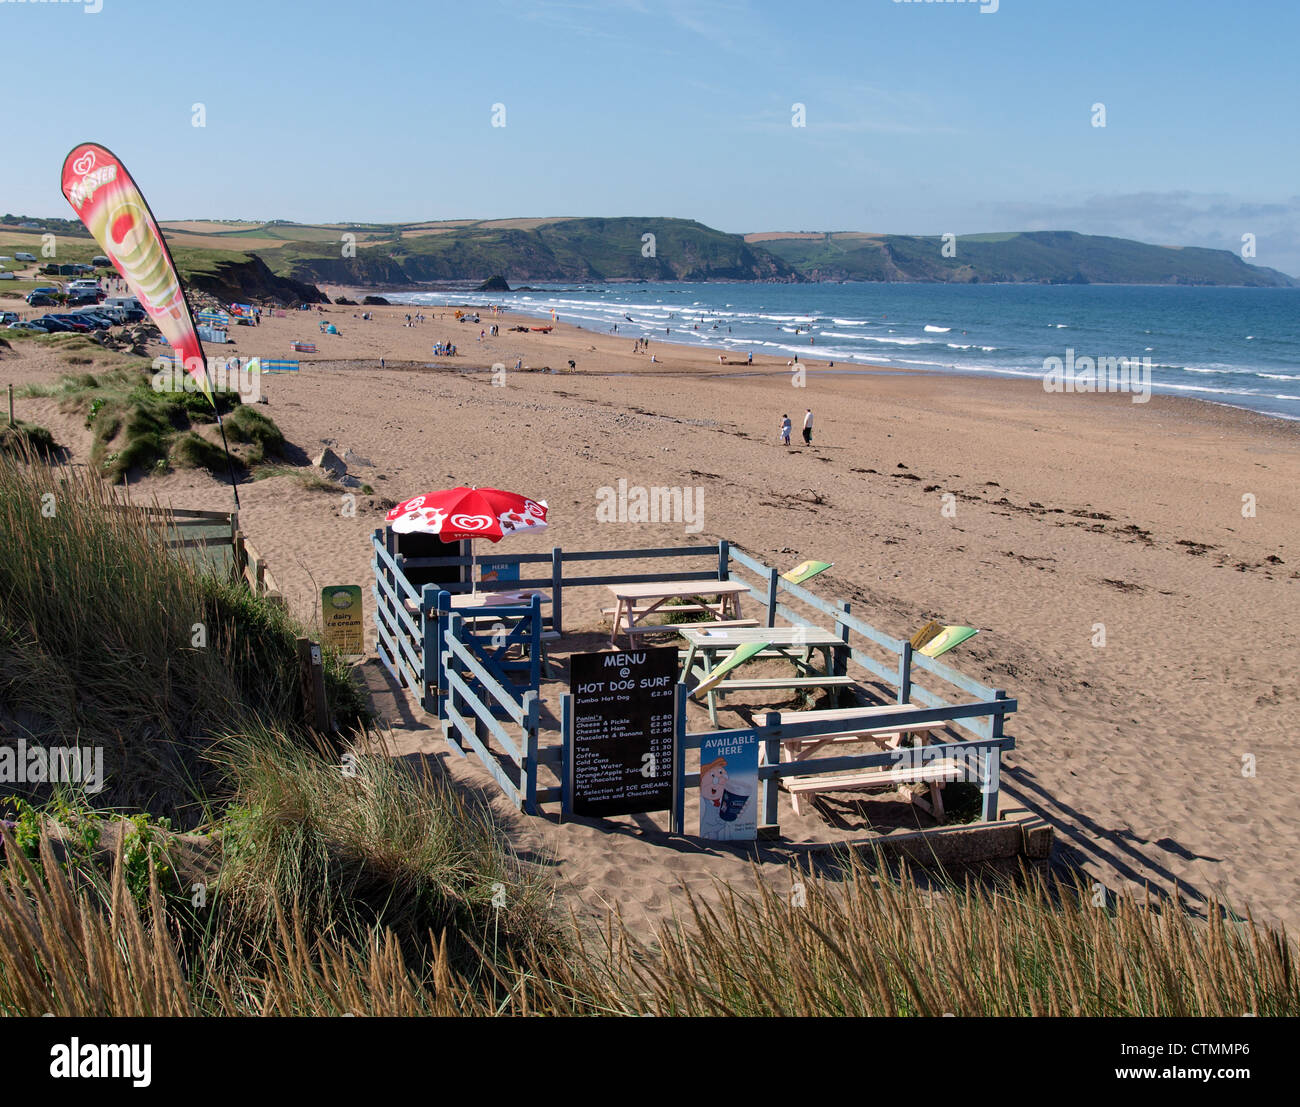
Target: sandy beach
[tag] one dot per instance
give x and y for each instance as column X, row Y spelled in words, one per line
column 1159, row 756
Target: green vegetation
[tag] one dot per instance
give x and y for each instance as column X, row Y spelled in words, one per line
column 98, row 650
column 192, row 451
column 308, row 479
column 21, row 438
column 248, row 425
column 137, row 429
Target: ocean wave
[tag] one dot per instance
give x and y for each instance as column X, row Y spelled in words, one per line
column 929, row 329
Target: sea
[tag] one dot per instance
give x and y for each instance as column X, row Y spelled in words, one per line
column 1235, row 346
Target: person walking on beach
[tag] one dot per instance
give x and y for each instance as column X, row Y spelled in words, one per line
column 807, row 428
column 785, row 430
column 750, row 359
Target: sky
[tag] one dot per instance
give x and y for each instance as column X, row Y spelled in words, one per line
column 919, row 118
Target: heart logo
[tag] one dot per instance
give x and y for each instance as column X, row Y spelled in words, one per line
column 84, row 164
column 471, row 522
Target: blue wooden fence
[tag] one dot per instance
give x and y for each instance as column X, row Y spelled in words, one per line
column 869, row 648
column 984, row 753
column 477, row 705
column 465, row 678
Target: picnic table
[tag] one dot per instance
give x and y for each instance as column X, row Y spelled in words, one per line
column 634, row 602
column 712, row 646
column 932, row 773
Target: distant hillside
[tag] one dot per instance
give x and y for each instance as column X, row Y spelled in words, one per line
column 586, row 249
column 1055, row 257
column 532, row 250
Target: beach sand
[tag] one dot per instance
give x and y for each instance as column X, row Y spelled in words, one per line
column 1075, row 515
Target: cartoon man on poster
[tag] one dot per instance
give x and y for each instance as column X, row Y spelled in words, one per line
column 729, row 788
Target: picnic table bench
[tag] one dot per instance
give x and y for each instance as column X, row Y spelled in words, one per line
column 633, row 603
column 712, row 644
column 933, row 772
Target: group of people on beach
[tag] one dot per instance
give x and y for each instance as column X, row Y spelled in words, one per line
column 807, row 428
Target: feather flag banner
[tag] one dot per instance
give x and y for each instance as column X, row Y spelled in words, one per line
column 107, row 201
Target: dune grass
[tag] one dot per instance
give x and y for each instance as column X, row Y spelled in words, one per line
column 19, row 438
column 873, row 945
column 137, row 429
column 107, row 638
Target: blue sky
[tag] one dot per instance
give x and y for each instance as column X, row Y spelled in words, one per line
column 921, row 118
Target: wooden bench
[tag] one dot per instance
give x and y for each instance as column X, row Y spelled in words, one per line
column 801, row 748
column 934, row 773
column 677, row 628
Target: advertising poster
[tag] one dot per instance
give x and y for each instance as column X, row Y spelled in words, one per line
column 729, row 787
column 340, row 618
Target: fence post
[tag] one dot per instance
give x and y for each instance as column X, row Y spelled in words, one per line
column 557, row 590
column 566, row 756
column 905, row 674
column 724, row 559
column 842, row 659
column 311, row 681
column 992, row 773
column 769, row 820
column 430, row 649
column 528, row 770
column 678, row 820
column 535, row 644
column 772, row 585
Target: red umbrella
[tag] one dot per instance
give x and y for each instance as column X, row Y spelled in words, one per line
column 456, row 513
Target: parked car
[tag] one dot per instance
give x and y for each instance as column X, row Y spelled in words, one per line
column 40, row 299
column 115, row 316
column 24, row 257
column 8, row 317
column 5, row 275
column 134, row 315
column 73, row 322
column 99, row 322
column 53, row 325
column 28, row 325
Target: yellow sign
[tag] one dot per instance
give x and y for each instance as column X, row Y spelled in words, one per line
column 342, row 625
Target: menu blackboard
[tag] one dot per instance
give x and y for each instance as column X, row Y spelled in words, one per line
column 622, row 742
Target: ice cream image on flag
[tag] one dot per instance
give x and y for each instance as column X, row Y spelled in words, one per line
column 107, row 201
